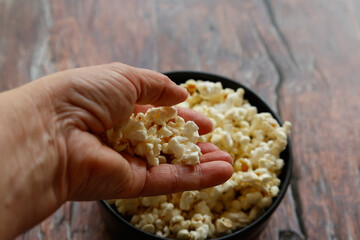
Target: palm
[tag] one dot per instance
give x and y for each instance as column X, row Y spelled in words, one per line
column 94, row 166
column 92, row 170
column 59, row 159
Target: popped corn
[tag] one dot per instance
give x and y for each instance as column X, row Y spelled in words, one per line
column 158, row 133
column 254, row 140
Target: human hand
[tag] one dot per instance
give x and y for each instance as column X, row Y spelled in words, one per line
column 50, row 155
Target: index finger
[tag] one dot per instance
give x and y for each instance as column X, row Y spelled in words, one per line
column 152, row 87
column 170, row 178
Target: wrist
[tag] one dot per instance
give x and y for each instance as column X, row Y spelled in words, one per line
column 30, row 156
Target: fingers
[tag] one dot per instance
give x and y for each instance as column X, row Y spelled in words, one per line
column 100, row 97
column 212, row 153
column 203, row 122
column 142, row 108
column 98, row 172
column 215, row 168
column 168, row 178
column 207, row 147
column 151, row 87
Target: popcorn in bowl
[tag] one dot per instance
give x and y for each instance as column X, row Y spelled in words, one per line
column 254, row 140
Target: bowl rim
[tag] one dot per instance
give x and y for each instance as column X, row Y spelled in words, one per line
column 198, row 75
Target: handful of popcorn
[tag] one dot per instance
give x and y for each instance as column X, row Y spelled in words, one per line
column 254, row 140
column 159, row 135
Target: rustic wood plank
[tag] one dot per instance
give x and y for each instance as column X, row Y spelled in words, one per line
column 19, row 34
column 229, row 44
column 74, row 220
column 211, row 36
column 299, row 59
column 320, row 96
column 97, row 32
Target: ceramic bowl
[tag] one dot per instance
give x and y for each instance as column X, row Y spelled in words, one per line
column 119, row 227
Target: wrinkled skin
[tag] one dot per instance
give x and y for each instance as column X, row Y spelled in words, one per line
column 49, row 154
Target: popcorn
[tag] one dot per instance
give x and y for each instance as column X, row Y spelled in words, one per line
column 238, row 218
column 127, row 206
column 253, row 197
column 223, row 225
column 152, row 201
column 187, row 199
column 148, row 228
column 183, row 234
column 203, row 226
column 222, row 139
column 200, row 233
column 264, row 202
column 178, row 223
column 164, row 233
column 254, row 140
column 202, row 208
column 158, row 135
column 168, row 211
column 145, row 222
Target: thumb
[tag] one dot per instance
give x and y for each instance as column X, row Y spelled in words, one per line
column 98, row 172
column 99, row 97
column 152, row 87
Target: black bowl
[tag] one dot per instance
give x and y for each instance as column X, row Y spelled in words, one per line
column 120, row 228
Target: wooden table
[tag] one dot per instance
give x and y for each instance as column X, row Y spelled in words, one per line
column 302, row 57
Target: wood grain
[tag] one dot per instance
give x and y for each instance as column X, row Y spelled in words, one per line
column 302, row 57
column 322, row 100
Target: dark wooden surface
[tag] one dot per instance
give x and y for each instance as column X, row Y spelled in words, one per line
column 302, row 57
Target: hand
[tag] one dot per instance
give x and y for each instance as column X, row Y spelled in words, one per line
column 50, row 154
column 168, row 178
